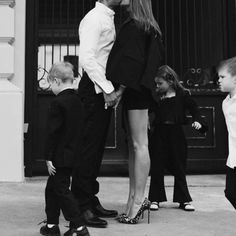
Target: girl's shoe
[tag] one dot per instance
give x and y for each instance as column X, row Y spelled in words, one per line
column 154, row 206
column 145, row 206
column 186, row 206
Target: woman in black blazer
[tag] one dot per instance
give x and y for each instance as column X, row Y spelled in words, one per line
column 131, row 66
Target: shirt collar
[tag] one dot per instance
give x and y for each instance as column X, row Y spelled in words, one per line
column 104, row 8
column 228, row 98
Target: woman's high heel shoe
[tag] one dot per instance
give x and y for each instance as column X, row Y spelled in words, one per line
column 120, row 216
column 145, row 206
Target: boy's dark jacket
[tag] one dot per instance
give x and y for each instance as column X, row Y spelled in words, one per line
column 135, row 57
column 64, row 129
column 183, row 103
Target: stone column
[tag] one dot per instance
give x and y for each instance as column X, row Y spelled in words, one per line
column 12, row 54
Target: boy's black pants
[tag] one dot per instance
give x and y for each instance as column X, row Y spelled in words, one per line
column 58, row 196
column 97, row 119
column 230, row 188
column 168, row 150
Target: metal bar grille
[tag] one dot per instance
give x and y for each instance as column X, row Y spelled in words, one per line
column 193, row 32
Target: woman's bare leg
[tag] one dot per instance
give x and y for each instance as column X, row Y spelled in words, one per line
column 138, row 123
column 131, row 176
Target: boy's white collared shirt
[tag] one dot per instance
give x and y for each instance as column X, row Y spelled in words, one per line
column 229, row 109
column 97, row 35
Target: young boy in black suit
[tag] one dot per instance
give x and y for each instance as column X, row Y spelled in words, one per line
column 64, row 128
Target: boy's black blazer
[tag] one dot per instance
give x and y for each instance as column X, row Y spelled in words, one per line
column 64, row 129
column 135, row 57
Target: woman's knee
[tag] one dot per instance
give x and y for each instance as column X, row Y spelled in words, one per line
column 140, row 146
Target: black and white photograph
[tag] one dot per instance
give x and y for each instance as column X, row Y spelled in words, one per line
column 118, row 117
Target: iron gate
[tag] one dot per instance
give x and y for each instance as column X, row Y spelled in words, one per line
column 196, row 37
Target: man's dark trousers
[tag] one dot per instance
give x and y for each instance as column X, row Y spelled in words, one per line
column 230, row 188
column 97, row 120
column 58, row 196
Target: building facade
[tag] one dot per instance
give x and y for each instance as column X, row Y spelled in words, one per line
column 36, row 33
column 12, row 82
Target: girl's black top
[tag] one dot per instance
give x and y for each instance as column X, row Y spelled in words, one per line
column 174, row 110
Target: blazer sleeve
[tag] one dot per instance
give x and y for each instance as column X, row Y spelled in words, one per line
column 192, row 106
column 126, row 61
column 54, row 128
column 154, row 59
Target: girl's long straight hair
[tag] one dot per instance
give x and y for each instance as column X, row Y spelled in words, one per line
column 141, row 11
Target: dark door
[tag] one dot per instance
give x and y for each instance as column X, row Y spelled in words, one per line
column 54, row 24
column 197, row 35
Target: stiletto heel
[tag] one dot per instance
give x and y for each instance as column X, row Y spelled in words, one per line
column 145, row 206
column 149, row 215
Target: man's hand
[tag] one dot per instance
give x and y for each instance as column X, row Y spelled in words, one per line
column 196, row 125
column 110, row 99
column 51, row 168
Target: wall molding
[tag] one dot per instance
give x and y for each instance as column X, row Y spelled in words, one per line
column 9, row 40
column 6, row 75
column 10, row 3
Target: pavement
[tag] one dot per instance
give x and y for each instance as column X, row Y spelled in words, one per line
column 22, row 208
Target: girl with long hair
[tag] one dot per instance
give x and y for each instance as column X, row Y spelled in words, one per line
column 168, row 145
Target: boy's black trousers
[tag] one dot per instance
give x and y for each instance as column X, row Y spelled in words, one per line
column 97, row 119
column 230, row 189
column 168, row 150
column 59, row 197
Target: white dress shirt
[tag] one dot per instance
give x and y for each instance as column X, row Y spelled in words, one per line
column 229, row 109
column 97, row 35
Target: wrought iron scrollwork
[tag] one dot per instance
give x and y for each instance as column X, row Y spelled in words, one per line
column 43, row 84
column 200, row 78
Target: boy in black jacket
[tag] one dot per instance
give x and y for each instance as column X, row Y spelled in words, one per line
column 63, row 140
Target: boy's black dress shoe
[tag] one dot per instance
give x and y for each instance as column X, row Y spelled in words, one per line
column 92, row 220
column 54, row 231
column 102, row 212
column 74, row 232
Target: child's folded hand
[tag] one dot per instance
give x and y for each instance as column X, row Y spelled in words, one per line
column 51, row 168
column 196, row 125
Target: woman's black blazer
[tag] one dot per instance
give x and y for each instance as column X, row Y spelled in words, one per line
column 135, row 57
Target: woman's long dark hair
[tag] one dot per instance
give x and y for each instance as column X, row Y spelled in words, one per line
column 141, row 11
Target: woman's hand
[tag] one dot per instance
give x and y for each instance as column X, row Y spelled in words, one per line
column 196, row 125
column 119, row 94
column 51, row 168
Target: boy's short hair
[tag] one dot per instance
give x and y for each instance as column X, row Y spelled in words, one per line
column 229, row 64
column 61, row 70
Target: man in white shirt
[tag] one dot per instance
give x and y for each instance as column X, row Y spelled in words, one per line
column 97, row 35
column 227, row 83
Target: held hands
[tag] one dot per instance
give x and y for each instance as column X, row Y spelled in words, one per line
column 119, row 94
column 51, row 168
column 196, row 125
column 113, row 99
column 110, row 99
